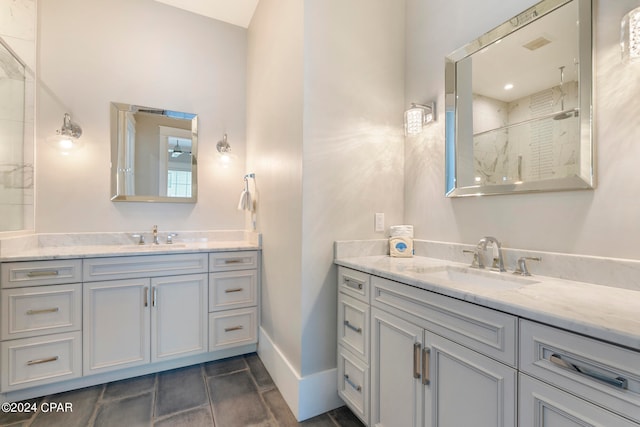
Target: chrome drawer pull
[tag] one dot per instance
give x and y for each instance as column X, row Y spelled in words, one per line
column 43, row 273
column 354, row 328
column 416, row 359
column 233, row 261
column 352, row 283
column 228, row 291
column 40, row 361
column 233, row 328
column 351, row 383
column 426, row 361
column 617, row 382
column 44, row 310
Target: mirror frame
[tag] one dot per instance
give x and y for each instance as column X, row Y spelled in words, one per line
column 585, row 180
column 115, row 110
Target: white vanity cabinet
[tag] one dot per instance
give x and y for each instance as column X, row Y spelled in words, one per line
column 568, row 379
column 353, row 340
column 437, row 361
column 136, row 319
column 233, row 299
column 423, row 359
column 40, row 323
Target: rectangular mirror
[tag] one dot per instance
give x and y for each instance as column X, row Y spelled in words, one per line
column 153, row 154
column 518, row 105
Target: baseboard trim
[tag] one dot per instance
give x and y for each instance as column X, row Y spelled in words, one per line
column 306, row 396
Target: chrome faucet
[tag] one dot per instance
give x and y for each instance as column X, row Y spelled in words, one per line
column 155, row 235
column 482, row 246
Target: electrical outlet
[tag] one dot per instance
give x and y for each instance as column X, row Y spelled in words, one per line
column 379, row 222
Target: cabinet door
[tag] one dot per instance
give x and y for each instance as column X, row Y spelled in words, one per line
column 396, row 389
column 179, row 317
column 466, row 388
column 116, row 325
column 542, row 405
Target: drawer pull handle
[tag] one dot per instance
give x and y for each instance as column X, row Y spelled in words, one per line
column 233, row 328
column 352, row 283
column 426, row 361
column 353, row 328
column 416, row 359
column 43, row 273
column 233, row 261
column 43, row 311
column 41, row 361
column 229, row 291
column 617, row 382
column 351, row 383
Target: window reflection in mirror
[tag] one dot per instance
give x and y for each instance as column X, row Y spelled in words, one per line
column 154, row 154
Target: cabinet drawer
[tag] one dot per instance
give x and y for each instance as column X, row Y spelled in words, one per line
column 353, row 383
column 35, row 273
column 227, row 261
column 541, row 405
column 600, row 372
column 487, row 331
column 233, row 328
column 354, row 283
column 353, row 325
column 30, row 362
column 233, row 289
column 28, row 312
column 96, row 269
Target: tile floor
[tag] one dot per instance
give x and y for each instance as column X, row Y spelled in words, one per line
column 234, row 392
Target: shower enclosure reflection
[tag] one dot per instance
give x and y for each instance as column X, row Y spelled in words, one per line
column 153, row 154
column 16, row 170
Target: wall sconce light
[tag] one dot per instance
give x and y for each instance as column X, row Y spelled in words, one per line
column 419, row 115
column 630, row 36
column 224, row 148
column 67, row 137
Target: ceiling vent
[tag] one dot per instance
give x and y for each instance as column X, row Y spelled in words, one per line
column 537, row 43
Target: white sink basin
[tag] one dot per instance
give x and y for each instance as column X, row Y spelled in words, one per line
column 477, row 279
column 154, row 247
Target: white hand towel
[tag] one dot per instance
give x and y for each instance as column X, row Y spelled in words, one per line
column 242, row 204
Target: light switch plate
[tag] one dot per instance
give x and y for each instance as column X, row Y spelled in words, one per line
column 379, row 222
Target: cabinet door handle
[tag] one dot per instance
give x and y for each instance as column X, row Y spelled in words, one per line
column 44, row 310
column 40, row 361
column 154, row 298
column 351, row 383
column 352, row 283
column 416, row 359
column 229, row 291
column 563, row 362
column 43, row 273
column 233, row 328
column 146, row 296
column 353, row 328
column 426, row 361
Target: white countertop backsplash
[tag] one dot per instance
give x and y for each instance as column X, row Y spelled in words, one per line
column 594, row 296
column 83, row 245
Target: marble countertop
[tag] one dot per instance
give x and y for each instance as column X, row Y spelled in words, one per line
column 607, row 313
column 94, row 245
column 96, row 251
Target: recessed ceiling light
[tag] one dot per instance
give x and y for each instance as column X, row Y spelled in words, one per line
column 508, row 86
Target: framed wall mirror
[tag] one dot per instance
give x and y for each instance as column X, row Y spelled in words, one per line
column 518, row 104
column 153, row 154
